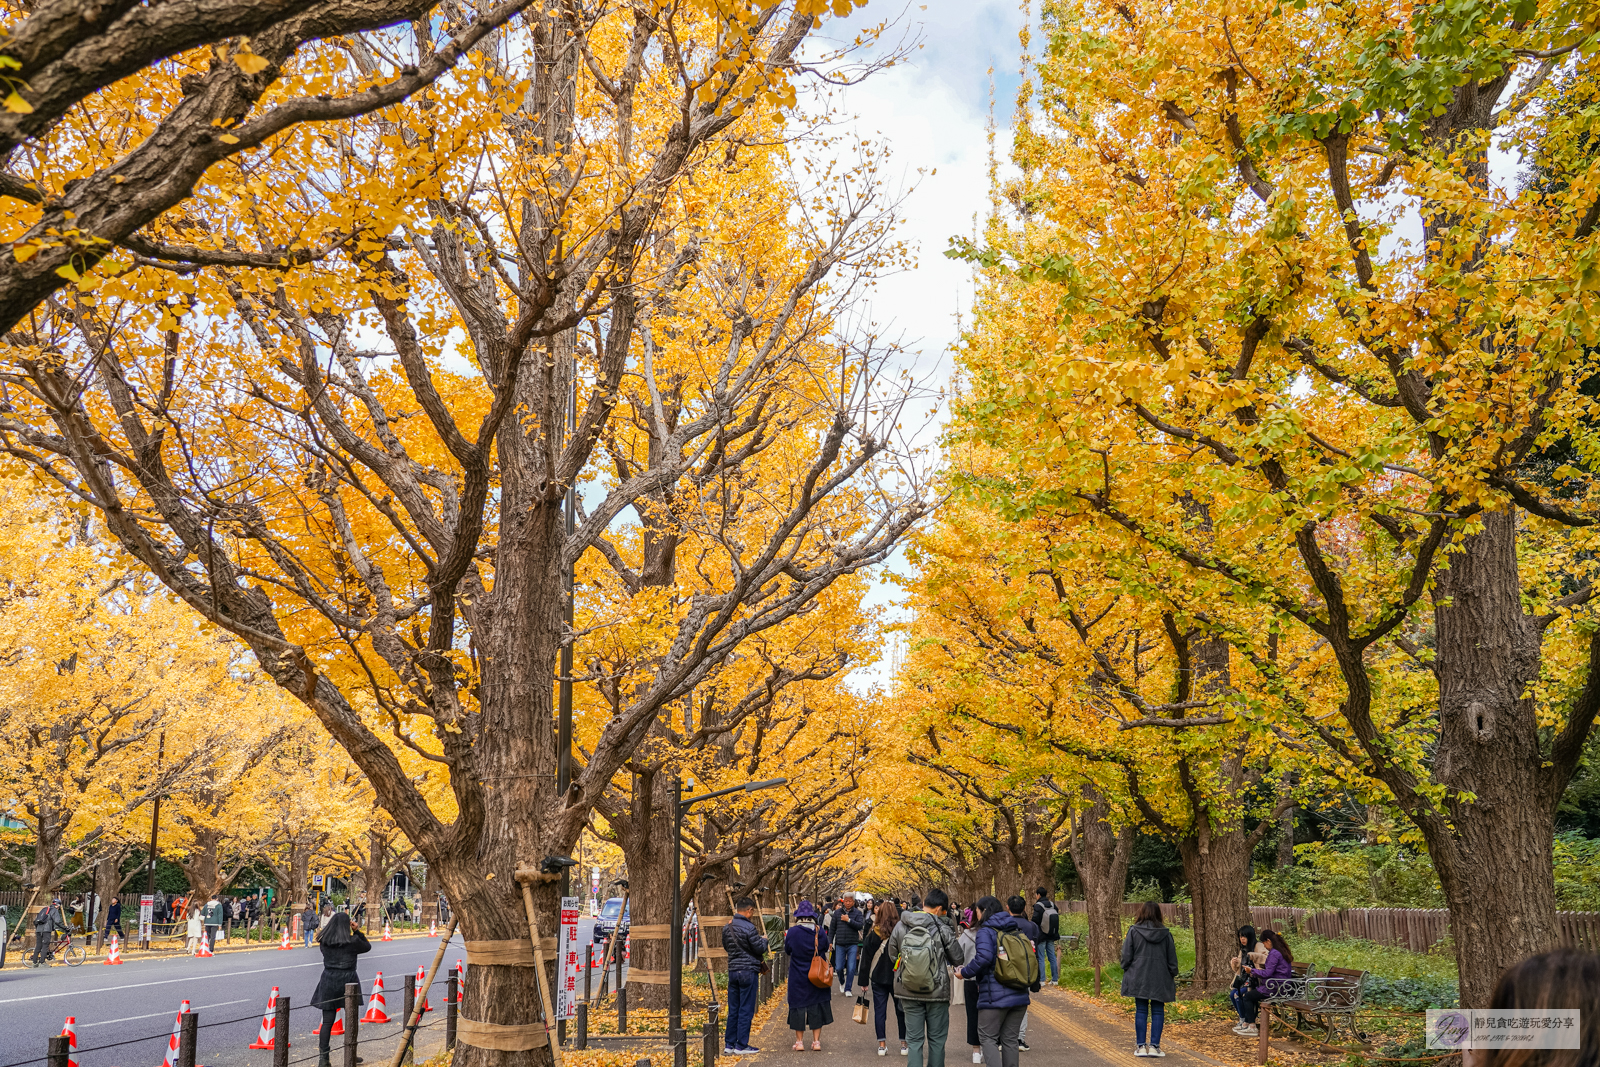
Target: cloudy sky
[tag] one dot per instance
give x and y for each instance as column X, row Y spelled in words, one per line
column 933, row 112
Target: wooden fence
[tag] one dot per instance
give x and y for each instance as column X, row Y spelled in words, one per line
column 1416, row 929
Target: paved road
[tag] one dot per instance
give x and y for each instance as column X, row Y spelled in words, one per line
column 138, row 1001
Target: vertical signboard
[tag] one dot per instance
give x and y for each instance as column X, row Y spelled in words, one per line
column 567, row 947
column 147, row 914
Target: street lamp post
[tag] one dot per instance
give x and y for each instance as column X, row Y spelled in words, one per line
column 680, row 804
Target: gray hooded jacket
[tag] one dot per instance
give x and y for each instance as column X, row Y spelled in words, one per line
column 946, row 935
column 1149, row 963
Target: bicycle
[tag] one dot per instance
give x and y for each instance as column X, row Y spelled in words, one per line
column 70, row 954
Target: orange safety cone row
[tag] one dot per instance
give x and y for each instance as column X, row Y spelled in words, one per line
column 338, row 1025
column 203, row 948
column 285, row 944
column 269, row 1023
column 422, row 976
column 171, row 1058
column 376, row 1008
column 69, row 1030
column 115, row 958
column 387, row 934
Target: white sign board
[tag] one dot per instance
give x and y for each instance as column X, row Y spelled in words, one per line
column 567, row 948
column 147, row 913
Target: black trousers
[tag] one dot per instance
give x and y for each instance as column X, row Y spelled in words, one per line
column 1250, row 1004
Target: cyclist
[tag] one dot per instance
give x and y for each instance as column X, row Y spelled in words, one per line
column 45, row 924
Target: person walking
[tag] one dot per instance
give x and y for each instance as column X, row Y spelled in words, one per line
column 810, row 1006
column 969, row 986
column 193, row 931
column 1017, row 906
column 925, row 946
column 1268, row 977
column 46, row 923
column 746, row 946
column 114, row 918
column 308, row 923
column 1149, row 973
column 848, row 923
column 1047, row 917
column 340, row 945
column 1006, row 969
column 878, row 966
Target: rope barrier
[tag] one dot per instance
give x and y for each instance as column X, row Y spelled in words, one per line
column 1364, row 1055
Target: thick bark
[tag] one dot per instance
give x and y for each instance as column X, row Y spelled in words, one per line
column 644, row 833
column 1101, row 855
column 1217, row 866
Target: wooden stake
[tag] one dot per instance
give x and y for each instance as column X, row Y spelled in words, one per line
column 525, row 876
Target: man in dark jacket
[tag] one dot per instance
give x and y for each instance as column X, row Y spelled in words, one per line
column 848, row 922
column 1000, row 1007
column 1047, row 917
column 45, row 924
column 114, row 918
column 746, row 946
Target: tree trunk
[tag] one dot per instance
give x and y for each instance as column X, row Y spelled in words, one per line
column 645, row 837
column 1494, row 858
column 1101, row 855
column 1217, row 865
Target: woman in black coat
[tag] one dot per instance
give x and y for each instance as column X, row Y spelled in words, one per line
column 341, row 944
column 1149, row 970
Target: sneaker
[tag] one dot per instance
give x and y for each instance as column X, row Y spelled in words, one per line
column 905, row 1050
column 749, row 1050
column 730, row 1052
column 883, row 1050
column 1141, row 1050
column 977, row 1057
column 1023, row 1045
column 1250, row 1031
column 1240, row 1026
column 1154, row 1050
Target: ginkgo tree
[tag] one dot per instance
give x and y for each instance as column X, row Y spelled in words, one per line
column 1263, row 309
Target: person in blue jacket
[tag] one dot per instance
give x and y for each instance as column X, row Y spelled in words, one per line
column 1000, row 1007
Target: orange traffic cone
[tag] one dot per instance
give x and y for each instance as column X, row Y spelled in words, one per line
column 375, row 1007
column 422, row 976
column 338, row 1025
column 70, row 1032
column 269, row 1022
column 433, row 928
column 285, row 944
column 171, row 1058
column 387, row 935
column 116, row 952
column 203, row 948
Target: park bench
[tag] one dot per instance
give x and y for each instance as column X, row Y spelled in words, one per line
column 1328, row 1000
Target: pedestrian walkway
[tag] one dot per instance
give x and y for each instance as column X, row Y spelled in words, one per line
column 1059, row 1035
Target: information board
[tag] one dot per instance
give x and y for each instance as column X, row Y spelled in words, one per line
column 567, row 947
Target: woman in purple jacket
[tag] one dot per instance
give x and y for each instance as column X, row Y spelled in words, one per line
column 1269, row 977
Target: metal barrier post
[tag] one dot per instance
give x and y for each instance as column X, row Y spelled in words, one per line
column 709, row 1039
column 188, row 1034
column 411, row 1008
column 352, row 1022
column 452, row 1004
column 280, row 1034
column 622, row 1010
column 59, row 1051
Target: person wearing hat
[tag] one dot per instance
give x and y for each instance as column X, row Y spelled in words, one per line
column 810, row 1006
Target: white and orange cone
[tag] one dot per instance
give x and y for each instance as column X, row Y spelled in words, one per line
column 70, row 1032
column 422, row 976
column 171, row 1058
column 285, row 944
column 338, row 1025
column 376, row 1008
column 115, row 957
column 433, row 928
column 387, row 934
column 204, row 947
column 269, row 1022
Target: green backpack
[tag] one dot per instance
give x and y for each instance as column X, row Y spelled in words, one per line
column 1015, row 966
column 921, row 958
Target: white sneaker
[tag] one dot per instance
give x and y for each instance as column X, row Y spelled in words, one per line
column 883, row 1050
column 905, row 1050
column 1142, row 1050
column 1154, row 1050
column 1250, row 1031
column 977, row 1057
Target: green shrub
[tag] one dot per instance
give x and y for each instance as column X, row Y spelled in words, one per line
column 1411, row 994
column 1350, row 875
column 1577, row 860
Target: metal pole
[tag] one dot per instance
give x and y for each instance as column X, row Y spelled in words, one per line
column 352, row 1021
column 452, row 1002
column 59, row 1051
column 675, row 1035
column 280, row 1034
column 155, row 825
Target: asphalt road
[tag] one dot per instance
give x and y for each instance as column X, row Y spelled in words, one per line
column 132, row 1007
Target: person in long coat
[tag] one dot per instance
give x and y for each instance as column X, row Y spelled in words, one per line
column 810, row 1007
column 341, row 944
column 1149, row 970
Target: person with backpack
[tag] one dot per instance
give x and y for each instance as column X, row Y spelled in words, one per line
column 1017, row 906
column 878, row 966
column 848, row 923
column 1149, row 973
column 924, row 947
column 1007, row 969
column 810, row 1003
column 1047, row 917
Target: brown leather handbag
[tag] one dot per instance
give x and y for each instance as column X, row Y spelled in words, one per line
column 820, row 973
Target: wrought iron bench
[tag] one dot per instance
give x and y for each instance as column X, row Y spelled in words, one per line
column 1329, row 1001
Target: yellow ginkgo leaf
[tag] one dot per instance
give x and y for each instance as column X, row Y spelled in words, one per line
column 251, row 64
column 17, row 105
column 25, row 252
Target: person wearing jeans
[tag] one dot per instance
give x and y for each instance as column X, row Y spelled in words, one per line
column 877, row 971
column 746, row 946
column 1047, row 918
column 927, row 1011
column 1149, row 973
column 848, row 923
